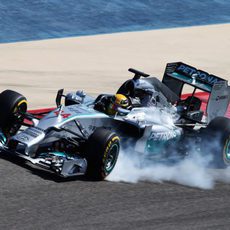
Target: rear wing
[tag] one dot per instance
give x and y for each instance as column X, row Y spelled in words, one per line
column 178, row 73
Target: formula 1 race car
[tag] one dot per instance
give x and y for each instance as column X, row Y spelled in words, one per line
column 79, row 137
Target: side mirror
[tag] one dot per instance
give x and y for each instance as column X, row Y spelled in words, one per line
column 58, row 97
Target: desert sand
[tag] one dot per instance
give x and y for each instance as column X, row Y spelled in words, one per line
column 99, row 63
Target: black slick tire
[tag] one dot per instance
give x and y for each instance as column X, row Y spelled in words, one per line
column 13, row 106
column 101, row 153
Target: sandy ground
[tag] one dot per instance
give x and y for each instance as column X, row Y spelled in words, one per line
column 99, row 63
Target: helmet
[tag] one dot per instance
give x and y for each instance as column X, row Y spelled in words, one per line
column 118, row 100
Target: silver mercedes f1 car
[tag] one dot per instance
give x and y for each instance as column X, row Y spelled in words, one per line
column 80, row 138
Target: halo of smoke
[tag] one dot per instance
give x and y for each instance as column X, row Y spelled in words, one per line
column 191, row 171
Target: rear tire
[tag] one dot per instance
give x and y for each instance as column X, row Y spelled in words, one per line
column 217, row 138
column 13, row 107
column 101, row 153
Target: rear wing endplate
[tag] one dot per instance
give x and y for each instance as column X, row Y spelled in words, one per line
column 218, row 100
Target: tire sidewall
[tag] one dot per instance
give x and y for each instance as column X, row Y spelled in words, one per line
column 113, row 143
column 218, row 132
column 98, row 151
column 10, row 103
column 226, row 145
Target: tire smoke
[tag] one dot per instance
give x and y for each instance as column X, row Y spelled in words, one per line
column 193, row 170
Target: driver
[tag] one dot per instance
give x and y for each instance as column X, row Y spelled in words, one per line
column 111, row 105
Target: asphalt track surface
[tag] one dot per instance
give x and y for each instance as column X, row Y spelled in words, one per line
column 35, row 199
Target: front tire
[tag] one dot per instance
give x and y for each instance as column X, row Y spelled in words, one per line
column 101, row 153
column 13, row 107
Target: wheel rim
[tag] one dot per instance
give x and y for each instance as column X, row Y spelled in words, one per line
column 227, row 150
column 111, row 158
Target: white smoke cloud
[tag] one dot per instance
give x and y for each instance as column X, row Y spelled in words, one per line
column 190, row 171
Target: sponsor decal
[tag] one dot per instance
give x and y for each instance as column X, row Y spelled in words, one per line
column 163, row 136
column 109, row 146
column 200, row 75
column 221, row 97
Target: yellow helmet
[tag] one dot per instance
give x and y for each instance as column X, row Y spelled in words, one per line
column 119, row 100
